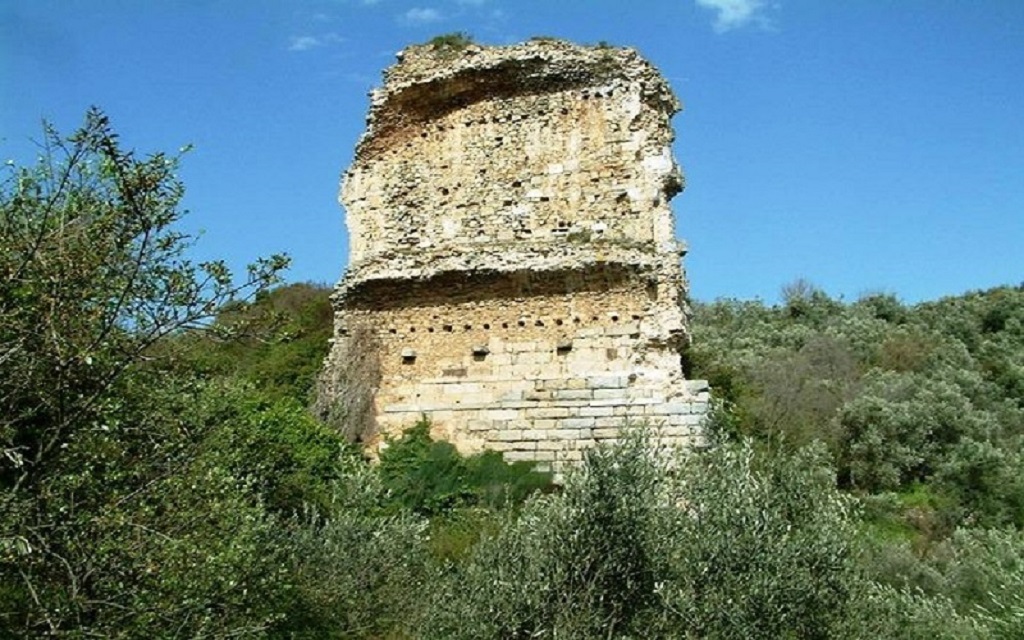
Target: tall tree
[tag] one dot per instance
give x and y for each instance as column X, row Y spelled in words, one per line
column 94, row 273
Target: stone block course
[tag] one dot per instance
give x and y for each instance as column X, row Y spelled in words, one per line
column 577, row 423
column 609, row 394
column 552, row 445
column 548, row 412
column 573, row 394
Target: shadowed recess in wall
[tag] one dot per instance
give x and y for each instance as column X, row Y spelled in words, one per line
column 460, row 287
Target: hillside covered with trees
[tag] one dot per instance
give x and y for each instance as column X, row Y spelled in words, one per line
column 162, row 475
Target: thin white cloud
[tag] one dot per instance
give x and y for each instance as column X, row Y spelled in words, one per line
column 303, row 43
column 307, row 42
column 421, row 16
column 734, row 14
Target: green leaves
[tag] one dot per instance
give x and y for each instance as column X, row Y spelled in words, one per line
column 432, row 478
column 764, row 546
column 276, row 342
column 92, row 276
column 898, row 394
column 98, row 519
column 643, row 542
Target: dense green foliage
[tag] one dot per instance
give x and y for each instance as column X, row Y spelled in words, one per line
column 431, row 478
column 922, row 413
column 277, row 341
column 727, row 544
column 108, row 494
column 161, row 476
column 923, row 404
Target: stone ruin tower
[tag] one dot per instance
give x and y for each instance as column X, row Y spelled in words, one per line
column 514, row 272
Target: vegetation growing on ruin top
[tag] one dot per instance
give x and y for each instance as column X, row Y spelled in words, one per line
column 450, row 42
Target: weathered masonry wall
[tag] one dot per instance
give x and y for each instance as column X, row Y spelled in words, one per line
column 514, row 273
column 533, row 167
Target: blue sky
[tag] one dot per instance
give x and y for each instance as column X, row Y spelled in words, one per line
column 865, row 146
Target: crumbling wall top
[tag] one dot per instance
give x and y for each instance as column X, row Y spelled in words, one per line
column 542, row 58
column 429, row 79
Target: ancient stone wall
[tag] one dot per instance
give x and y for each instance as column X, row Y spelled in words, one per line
column 513, row 266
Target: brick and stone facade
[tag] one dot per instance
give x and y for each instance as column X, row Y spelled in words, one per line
column 514, row 273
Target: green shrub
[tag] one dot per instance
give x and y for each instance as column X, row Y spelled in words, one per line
column 109, row 524
column 358, row 573
column 422, row 475
column 985, row 482
column 432, row 478
column 277, row 343
column 451, row 42
column 983, row 575
column 897, row 614
column 969, row 586
column 732, row 543
column 276, row 447
column 900, row 429
column 762, row 547
column 454, row 536
column 575, row 564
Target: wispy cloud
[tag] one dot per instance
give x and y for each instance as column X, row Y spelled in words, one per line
column 421, row 16
column 734, row 14
column 307, row 42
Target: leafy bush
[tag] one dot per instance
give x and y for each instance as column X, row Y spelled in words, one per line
column 451, row 42
column 431, row 478
column 982, row 574
column 985, row 482
column 358, row 573
column 277, row 448
column 276, row 343
column 576, row 564
column 762, row 547
column 902, row 396
column 107, row 526
column 642, row 543
column 910, row 615
column 969, row 586
column 146, row 528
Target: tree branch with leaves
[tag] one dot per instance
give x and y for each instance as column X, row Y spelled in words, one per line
column 93, row 273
